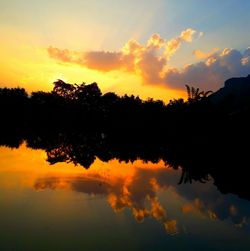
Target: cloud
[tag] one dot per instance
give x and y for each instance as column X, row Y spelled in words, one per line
column 101, row 60
column 147, row 60
column 65, row 55
column 211, row 73
column 104, row 61
column 151, row 61
column 174, row 44
column 204, row 55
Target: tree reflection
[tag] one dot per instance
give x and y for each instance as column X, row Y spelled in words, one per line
column 204, row 136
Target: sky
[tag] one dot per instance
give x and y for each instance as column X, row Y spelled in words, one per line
column 150, row 48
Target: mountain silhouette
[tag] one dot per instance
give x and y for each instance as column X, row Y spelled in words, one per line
column 235, row 94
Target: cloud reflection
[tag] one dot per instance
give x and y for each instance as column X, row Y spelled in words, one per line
column 138, row 190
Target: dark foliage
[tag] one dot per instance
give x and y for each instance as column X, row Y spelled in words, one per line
column 204, row 136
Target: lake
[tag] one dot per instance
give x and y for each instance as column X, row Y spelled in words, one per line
column 113, row 206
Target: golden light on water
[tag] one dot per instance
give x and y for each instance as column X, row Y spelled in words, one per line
column 117, row 181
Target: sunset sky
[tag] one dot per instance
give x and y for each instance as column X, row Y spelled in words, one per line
column 150, row 48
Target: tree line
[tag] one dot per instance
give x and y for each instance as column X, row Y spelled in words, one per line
column 77, row 123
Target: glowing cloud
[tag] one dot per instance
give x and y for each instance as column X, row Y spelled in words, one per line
column 65, row 55
column 174, row 44
column 147, row 60
column 151, row 62
column 104, row 61
column 204, row 55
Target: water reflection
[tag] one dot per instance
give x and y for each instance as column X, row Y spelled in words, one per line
column 148, row 192
column 197, row 160
column 139, row 158
column 139, row 191
column 134, row 186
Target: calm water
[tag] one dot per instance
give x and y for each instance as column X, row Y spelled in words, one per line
column 113, row 206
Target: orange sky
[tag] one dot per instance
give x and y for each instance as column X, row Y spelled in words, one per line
column 151, row 49
column 26, row 63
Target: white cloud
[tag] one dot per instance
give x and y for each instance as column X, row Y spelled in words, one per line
column 211, row 73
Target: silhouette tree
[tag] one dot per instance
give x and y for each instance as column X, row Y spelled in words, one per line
column 194, row 94
column 64, row 89
column 76, row 123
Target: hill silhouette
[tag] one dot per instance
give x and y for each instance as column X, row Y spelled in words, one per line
column 205, row 136
column 236, row 93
